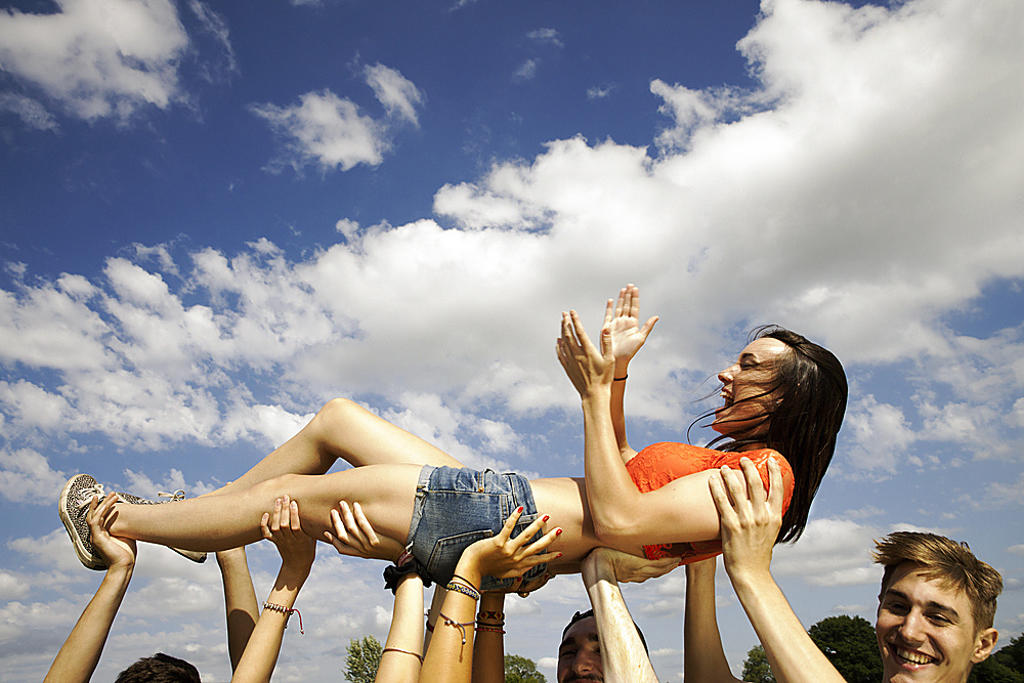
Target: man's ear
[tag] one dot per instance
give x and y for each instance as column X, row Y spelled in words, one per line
column 984, row 644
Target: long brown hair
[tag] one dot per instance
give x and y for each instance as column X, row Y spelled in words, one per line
column 809, row 390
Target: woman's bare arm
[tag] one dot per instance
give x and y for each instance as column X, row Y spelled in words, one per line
column 703, row 656
column 627, row 337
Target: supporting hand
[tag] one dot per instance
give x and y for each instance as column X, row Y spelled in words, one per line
column 116, row 551
column 750, row 517
column 282, row 528
column 630, row 568
column 502, row 556
column 354, row 535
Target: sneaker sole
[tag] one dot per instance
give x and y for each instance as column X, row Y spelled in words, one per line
column 84, row 557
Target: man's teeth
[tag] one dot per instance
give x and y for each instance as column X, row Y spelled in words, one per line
column 913, row 657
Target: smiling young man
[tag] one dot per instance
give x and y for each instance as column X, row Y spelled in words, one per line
column 936, row 608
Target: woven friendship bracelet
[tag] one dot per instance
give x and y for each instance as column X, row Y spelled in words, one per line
column 287, row 612
column 490, row 614
column 465, row 590
column 407, row 652
column 490, row 629
column 466, row 581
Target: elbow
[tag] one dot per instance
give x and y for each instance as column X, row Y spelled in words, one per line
column 613, row 530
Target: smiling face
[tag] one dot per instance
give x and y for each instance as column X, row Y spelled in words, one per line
column 926, row 630
column 744, row 383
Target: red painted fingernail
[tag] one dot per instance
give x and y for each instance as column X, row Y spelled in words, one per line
column 546, row 518
column 558, row 532
column 558, row 556
column 519, row 509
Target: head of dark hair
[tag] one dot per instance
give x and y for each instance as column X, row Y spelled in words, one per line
column 159, row 668
column 808, row 391
column 580, row 616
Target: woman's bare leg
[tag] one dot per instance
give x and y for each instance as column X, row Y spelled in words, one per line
column 211, row 523
column 342, row 429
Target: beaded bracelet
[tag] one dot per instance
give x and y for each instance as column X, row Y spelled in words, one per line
column 286, row 611
column 408, row 652
column 466, row 581
column 465, row 590
column 459, row 625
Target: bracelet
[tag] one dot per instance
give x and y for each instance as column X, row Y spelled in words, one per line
column 459, row 625
column 286, row 611
column 491, row 629
column 395, row 649
column 490, row 614
column 465, row 590
column 466, row 581
column 620, row 379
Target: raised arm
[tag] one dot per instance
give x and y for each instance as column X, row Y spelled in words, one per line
column 623, row 655
column 703, row 656
column 240, row 607
column 750, row 525
column 623, row 517
column 297, row 551
column 627, row 337
column 80, row 653
column 449, row 658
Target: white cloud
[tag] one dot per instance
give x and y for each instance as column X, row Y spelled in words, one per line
column 26, row 477
column 98, row 57
column 214, row 25
column 831, row 552
column 546, row 35
column 396, row 92
column 527, row 70
column 880, row 432
column 325, row 130
column 599, row 92
column 32, row 113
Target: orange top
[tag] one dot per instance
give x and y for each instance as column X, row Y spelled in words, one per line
column 660, row 463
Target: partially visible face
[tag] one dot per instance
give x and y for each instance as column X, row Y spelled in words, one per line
column 751, row 374
column 579, row 655
column 926, row 630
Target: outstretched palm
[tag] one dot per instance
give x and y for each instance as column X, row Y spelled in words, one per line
column 622, row 321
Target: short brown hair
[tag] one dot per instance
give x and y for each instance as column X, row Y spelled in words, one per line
column 949, row 561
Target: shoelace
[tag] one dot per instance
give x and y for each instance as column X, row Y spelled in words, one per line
column 85, row 496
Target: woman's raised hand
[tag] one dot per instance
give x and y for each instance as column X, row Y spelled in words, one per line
column 621, row 319
column 586, row 366
column 282, row 528
column 502, row 556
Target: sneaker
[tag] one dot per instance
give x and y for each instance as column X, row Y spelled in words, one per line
column 194, row 555
column 72, row 507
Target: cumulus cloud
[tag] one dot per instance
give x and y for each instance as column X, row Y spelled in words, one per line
column 26, row 477
column 329, row 132
column 98, row 58
column 325, row 130
column 526, row 71
column 831, row 552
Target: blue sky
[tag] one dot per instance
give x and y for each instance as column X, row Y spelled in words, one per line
column 215, row 217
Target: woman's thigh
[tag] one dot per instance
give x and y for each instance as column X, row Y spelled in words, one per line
column 362, row 438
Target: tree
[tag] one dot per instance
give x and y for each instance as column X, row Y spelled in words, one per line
column 755, row 666
column 1012, row 655
column 362, row 660
column 522, row 670
column 850, row 644
column 1004, row 666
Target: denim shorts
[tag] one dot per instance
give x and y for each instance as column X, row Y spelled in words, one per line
column 454, row 508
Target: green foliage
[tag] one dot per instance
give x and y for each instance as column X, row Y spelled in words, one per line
column 1012, row 655
column 362, row 660
column 522, row 670
column 755, row 667
column 851, row 646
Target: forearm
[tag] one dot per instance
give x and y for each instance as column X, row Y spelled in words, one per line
column 792, row 654
column 613, row 497
column 622, row 652
column 260, row 656
column 449, row 657
column 403, row 647
column 703, row 655
column 489, row 646
column 240, row 607
column 617, row 407
column 80, row 653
